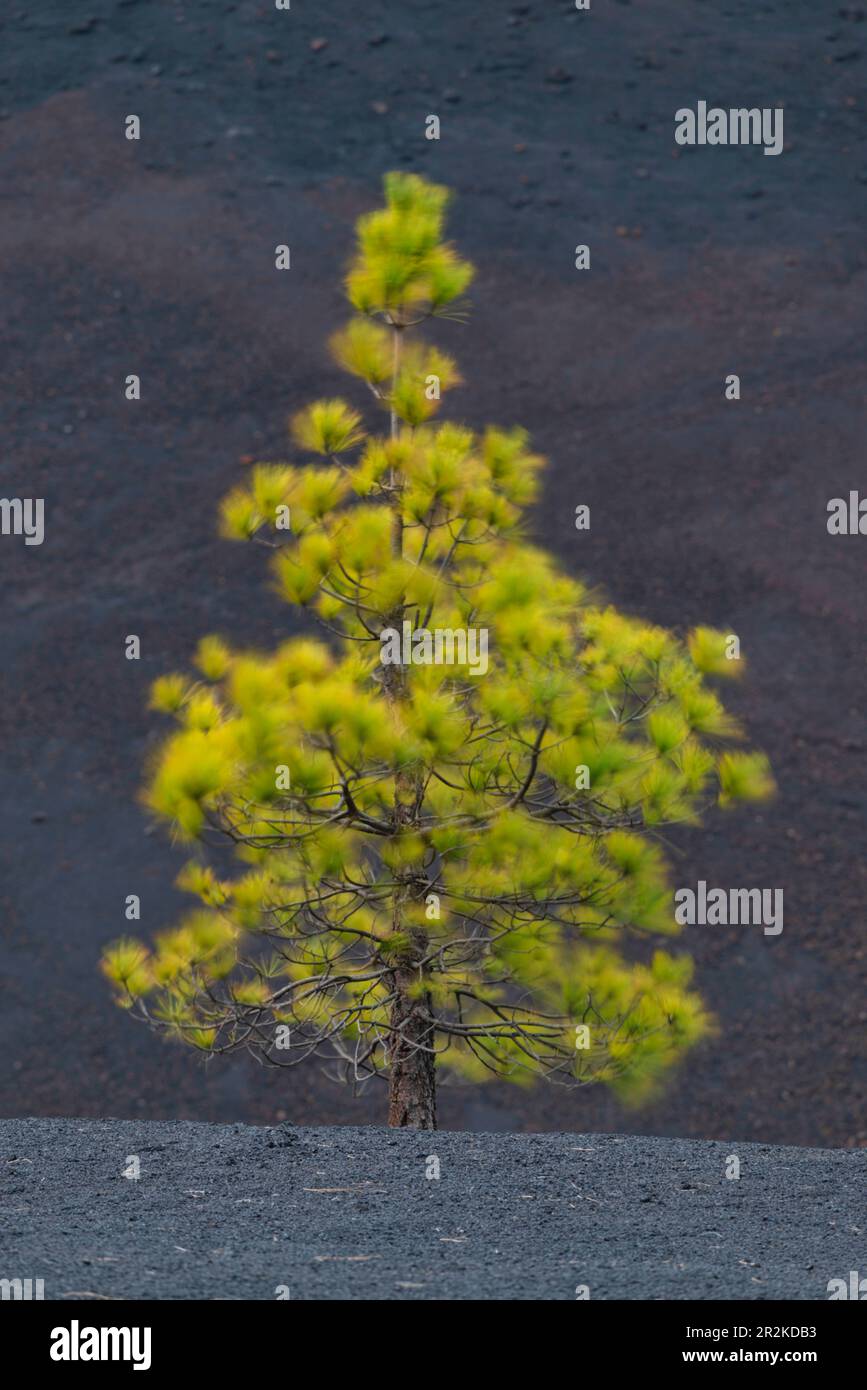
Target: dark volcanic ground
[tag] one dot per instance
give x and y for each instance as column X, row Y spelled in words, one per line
column 157, row 258
column 228, row 1211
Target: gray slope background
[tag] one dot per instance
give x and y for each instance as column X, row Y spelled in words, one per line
column 157, row 258
column 234, row 1212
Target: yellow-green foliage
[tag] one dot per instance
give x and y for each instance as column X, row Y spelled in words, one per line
column 491, row 836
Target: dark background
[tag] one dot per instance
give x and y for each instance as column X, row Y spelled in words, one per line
column 157, row 258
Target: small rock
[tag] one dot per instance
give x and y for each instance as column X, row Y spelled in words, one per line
column 317, row 45
column 648, row 62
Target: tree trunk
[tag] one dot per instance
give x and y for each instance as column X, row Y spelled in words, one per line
column 411, row 1057
column 412, row 1063
column 412, row 1076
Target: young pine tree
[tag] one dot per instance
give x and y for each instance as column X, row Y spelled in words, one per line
column 443, row 860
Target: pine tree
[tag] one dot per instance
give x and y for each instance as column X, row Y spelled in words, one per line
column 446, row 862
